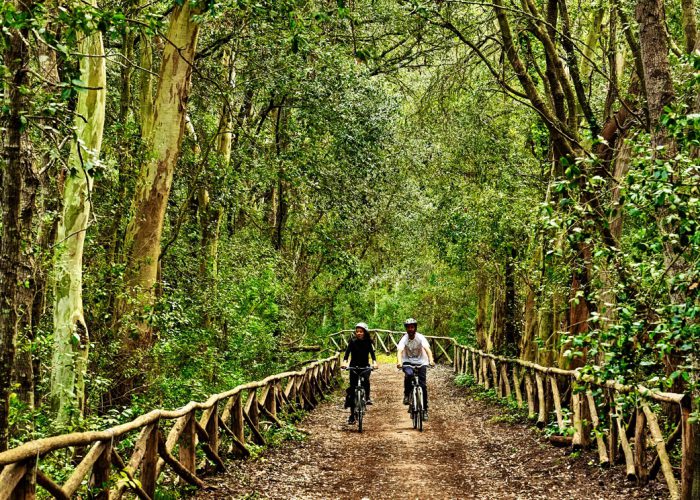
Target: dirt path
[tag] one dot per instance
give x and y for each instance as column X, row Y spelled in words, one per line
column 466, row 451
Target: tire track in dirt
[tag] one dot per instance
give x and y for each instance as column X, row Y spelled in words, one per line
column 465, row 451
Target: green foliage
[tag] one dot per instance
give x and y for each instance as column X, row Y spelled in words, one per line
column 465, row 380
column 376, row 172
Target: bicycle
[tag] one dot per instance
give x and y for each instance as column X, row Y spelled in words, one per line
column 416, row 402
column 360, row 403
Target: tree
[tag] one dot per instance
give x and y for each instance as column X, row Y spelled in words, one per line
column 19, row 185
column 71, row 339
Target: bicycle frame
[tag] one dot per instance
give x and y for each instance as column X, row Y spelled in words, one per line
column 360, row 403
column 416, row 403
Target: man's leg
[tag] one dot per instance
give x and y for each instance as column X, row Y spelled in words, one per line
column 408, row 373
column 423, row 381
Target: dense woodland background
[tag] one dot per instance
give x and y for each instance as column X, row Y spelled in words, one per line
column 195, row 194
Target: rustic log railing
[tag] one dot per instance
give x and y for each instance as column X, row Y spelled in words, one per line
column 225, row 423
column 586, row 408
column 595, row 414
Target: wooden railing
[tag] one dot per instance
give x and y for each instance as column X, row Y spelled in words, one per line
column 595, row 413
column 220, row 427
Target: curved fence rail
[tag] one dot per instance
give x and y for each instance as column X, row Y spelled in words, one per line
column 219, row 427
column 586, row 410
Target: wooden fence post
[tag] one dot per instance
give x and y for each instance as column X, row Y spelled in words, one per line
column 613, row 444
column 237, row 422
column 505, row 380
column 485, row 373
column 101, row 472
column 557, row 401
column 494, row 374
column 660, row 445
column 542, row 401
column 517, row 381
column 187, row 441
column 624, row 443
column 640, row 448
column 150, row 460
column 688, row 447
column 577, row 441
column 600, row 442
column 26, row 487
column 254, row 416
column 530, row 391
column 212, row 428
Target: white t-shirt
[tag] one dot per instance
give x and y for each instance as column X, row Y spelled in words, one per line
column 414, row 351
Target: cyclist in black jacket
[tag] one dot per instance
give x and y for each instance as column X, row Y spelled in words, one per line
column 359, row 350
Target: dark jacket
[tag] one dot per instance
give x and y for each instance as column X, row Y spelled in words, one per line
column 360, row 351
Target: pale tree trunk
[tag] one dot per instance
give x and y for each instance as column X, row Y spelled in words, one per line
column 146, row 86
column 512, row 332
column 690, row 25
column 495, row 339
column 19, row 185
column 48, row 207
column 481, row 306
column 127, row 69
column 212, row 216
column 143, row 235
column 71, row 340
column 592, row 40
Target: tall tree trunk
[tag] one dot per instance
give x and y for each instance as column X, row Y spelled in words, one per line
column 690, row 25
column 143, row 236
column 511, row 329
column 212, row 215
column 19, row 185
column 481, row 306
column 71, row 340
column 127, row 69
column 592, row 40
column 657, row 69
column 47, row 207
column 146, row 86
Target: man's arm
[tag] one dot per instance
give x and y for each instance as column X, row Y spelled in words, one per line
column 399, row 351
column 428, row 351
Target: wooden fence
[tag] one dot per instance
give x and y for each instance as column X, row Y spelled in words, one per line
column 220, row 427
column 590, row 411
column 582, row 407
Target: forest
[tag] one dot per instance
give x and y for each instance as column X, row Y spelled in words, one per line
column 196, row 194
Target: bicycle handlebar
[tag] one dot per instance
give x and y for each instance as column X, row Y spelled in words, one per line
column 413, row 365
column 357, row 368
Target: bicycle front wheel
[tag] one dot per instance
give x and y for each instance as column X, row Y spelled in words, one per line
column 419, row 409
column 360, row 408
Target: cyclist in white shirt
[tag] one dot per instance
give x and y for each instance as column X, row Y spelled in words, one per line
column 413, row 348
